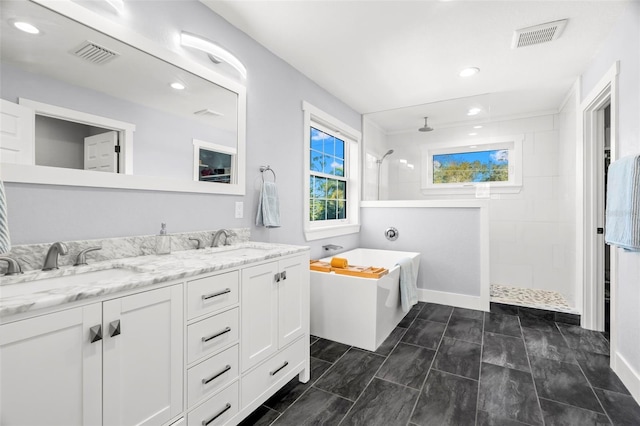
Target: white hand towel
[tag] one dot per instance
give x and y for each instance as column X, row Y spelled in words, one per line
column 268, row 206
column 408, row 284
column 623, row 203
column 5, row 243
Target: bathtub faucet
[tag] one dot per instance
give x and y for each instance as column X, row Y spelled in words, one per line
column 331, row 247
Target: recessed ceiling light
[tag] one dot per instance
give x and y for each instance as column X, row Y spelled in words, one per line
column 473, row 146
column 177, row 86
column 474, row 111
column 468, row 72
column 403, row 161
column 410, row 166
column 26, row 27
column 472, row 134
column 477, row 127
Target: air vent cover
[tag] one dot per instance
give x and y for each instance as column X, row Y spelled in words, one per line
column 92, row 52
column 538, row 34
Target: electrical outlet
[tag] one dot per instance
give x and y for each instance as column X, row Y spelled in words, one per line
column 239, row 209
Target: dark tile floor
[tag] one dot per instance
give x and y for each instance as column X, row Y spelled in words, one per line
column 452, row 366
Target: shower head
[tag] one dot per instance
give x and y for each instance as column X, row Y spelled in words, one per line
column 385, row 156
column 426, row 128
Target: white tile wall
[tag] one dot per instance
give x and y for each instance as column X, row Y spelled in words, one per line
column 532, row 233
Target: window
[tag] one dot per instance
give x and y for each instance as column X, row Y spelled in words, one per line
column 494, row 165
column 327, row 180
column 331, row 176
column 474, row 166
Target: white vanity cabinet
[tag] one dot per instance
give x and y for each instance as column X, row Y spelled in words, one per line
column 208, row 350
column 275, row 317
column 117, row 362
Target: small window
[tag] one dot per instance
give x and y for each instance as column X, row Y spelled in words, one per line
column 494, row 165
column 473, row 166
column 332, row 188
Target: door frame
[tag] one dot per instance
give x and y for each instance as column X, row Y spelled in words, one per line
column 590, row 201
column 125, row 130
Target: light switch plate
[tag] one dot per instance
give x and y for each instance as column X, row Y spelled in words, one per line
column 239, row 209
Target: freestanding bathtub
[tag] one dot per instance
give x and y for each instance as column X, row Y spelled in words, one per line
column 357, row 311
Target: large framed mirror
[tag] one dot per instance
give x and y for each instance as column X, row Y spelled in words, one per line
column 96, row 104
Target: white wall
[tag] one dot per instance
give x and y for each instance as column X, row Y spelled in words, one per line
column 275, row 92
column 450, row 238
column 566, row 191
column 532, row 233
column 60, row 143
column 623, row 45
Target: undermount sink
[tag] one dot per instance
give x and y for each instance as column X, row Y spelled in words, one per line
column 45, row 284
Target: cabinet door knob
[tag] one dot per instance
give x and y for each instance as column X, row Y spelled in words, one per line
column 95, row 333
column 277, row 277
column 114, row 328
column 221, row 412
column 283, row 275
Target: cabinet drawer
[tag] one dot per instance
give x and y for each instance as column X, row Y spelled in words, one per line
column 207, row 336
column 216, row 411
column 212, row 375
column 212, row 293
column 270, row 371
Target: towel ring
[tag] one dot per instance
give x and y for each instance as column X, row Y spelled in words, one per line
column 267, row 169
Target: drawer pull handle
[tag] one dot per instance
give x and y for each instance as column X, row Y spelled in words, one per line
column 224, row 410
column 274, row 372
column 218, row 334
column 212, row 295
column 215, row 376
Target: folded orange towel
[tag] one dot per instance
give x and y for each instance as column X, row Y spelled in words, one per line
column 339, row 262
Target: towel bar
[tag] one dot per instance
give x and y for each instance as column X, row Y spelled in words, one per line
column 267, row 169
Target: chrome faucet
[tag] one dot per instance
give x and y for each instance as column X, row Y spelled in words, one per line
column 331, row 247
column 81, row 259
column 13, row 267
column 216, row 237
column 51, row 259
column 200, row 245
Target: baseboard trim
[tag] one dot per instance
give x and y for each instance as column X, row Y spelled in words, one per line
column 629, row 376
column 453, row 299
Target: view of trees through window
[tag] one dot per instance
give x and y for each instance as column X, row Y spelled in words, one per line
column 478, row 166
column 328, row 183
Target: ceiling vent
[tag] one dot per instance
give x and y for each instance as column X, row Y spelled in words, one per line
column 538, row 34
column 92, row 52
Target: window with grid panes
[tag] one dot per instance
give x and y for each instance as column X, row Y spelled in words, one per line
column 327, row 176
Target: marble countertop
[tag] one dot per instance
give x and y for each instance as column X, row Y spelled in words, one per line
column 39, row 289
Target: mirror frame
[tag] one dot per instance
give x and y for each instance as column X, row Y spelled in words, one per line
column 73, row 177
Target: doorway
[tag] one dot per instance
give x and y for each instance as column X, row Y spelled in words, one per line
column 598, row 112
column 606, row 247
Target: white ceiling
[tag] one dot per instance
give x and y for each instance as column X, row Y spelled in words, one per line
column 387, row 55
